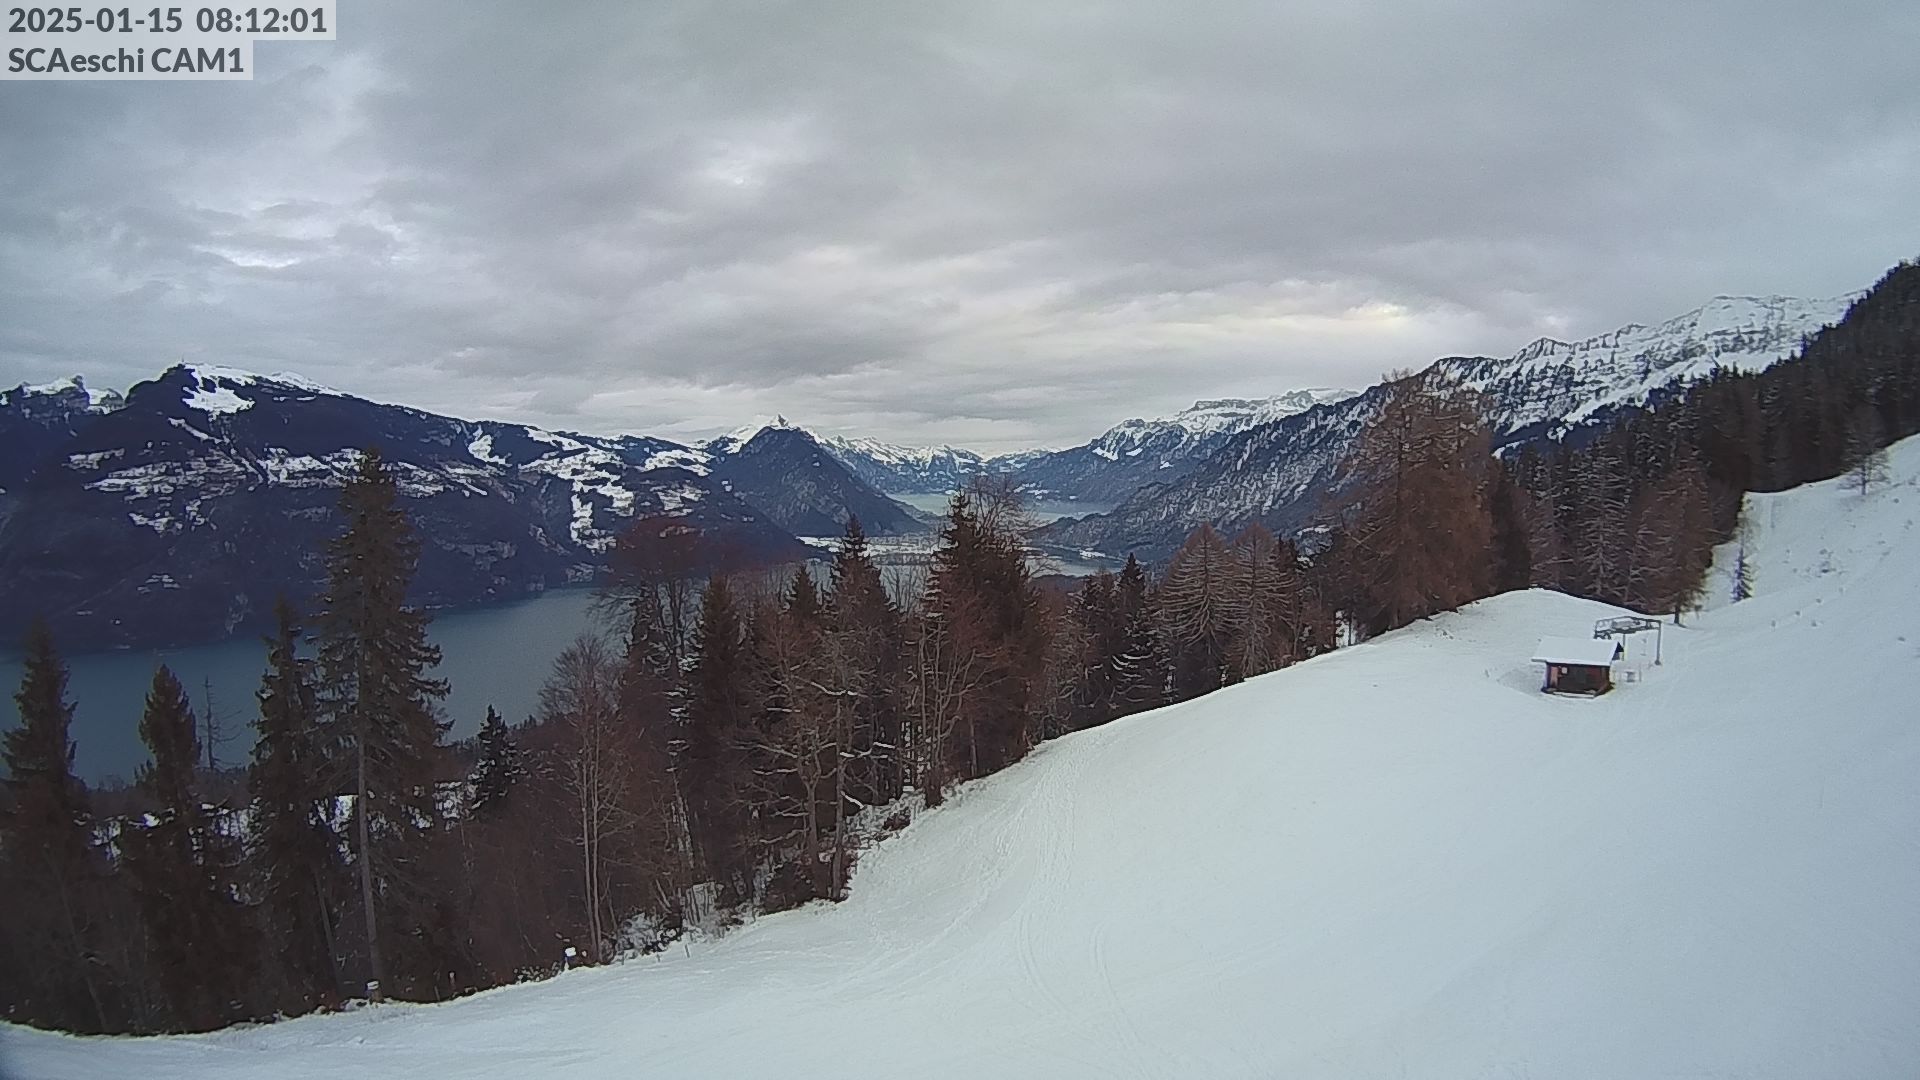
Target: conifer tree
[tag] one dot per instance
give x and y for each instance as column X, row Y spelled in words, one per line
column 1742, row 566
column 47, row 851
column 1101, row 640
column 1742, row 575
column 1140, row 672
column 712, row 762
column 382, row 707
column 294, row 848
column 802, row 601
column 498, row 769
column 648, row 687
column 195, row 932
column 864, row 635
column 981, row 636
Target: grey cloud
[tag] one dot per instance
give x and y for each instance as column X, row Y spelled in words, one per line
column 988, row 223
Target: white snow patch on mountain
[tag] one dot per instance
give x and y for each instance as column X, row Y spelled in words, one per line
column 89, row 462
column 190, row 429
column 691, row 460
column 98, row 401
column 220, row 399
column 1237, row 414
column 233, row 376
column 480, row 448
column 1400, row 859
column 286, row 469
column 1205, row 420
column 896, row 455
column 676, row 500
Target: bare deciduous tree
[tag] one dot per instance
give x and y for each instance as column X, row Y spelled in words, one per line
column 581, row 700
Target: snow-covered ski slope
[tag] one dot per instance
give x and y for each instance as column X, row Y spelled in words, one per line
column 1399, row 860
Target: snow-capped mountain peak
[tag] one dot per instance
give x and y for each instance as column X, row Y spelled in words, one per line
column 732, row 441
column 72, row 390
column 216, row 389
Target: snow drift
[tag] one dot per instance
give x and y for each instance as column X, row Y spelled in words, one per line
column 1400, row 859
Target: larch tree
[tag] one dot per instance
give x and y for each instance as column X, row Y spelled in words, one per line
column 1671, row 542
column 1258, row 644
column 1420, row 534
column 1865, row 453
column 383, row 712
column 1200, row 609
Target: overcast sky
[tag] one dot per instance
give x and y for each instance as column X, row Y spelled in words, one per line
column 991, row 224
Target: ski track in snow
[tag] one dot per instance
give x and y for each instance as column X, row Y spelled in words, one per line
column 1396, row 860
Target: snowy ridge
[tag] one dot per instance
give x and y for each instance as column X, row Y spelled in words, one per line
column 907, row 469
column 205, row 463
column 1399, row 859
column 1564, row 383
column 1276, row 472
column 1228, row 415
column 1201, row 424
column 72, row 388
column 894, row 454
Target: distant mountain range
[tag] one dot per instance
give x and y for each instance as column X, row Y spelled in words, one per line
column 177, row 512
column 1275, row 473
column 1104, row 470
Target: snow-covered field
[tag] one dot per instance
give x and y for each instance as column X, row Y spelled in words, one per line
column 1399, row 860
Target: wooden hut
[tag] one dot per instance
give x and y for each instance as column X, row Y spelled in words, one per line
column 1577, row 665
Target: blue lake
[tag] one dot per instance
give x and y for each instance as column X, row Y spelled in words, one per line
column 1042, row 510
column 494, row 655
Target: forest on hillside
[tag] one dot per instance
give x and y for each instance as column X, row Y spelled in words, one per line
column 740, row 737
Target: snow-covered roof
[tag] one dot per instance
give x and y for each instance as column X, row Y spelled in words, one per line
column 1593, row 652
